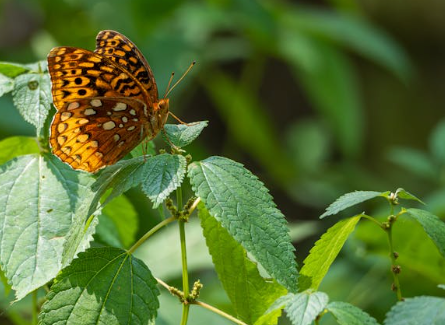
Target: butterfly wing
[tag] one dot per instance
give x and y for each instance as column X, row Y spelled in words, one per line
column 124, row 52
column 78, row 74
column 90, row 133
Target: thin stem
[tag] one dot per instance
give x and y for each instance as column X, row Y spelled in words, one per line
column 194, row 205
column 393, row 265
column 35, row 308
column 185, row 275
column 219, row 312
column 373, row 220
column 151, row 232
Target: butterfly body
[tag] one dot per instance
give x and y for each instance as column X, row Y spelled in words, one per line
column 107, row 102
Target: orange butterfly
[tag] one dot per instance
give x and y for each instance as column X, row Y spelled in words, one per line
column 107, row 102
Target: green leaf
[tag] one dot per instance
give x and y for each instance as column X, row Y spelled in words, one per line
column 32, row 97
column 302, row 308
column 436, row 141
column 350, row 199
column 417, row 311
column 12, row 70
column 123, row 218
column 102, row 286
column 324, row 252
column 433, row 226
column 401, row 193
column 17, row 146
column 162, row 174
column 248, row 291
column 441, row 286
column 182, row 135
column 6, row 85
column 347, row 314
column 39, row 200
column 244, row 207
column 143, row 149
column 121, row 176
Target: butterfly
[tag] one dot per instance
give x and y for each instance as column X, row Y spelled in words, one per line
column 107, row 102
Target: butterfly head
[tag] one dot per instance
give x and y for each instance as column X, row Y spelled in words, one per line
column 161, row 112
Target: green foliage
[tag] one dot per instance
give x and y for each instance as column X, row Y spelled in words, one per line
column 243, row 206
column 347, row 314
column 17, row 146
column 418, row 310
column 350, row 199
column 182, row 135
column 324, row 252
column 104, row 286
column 248, row 291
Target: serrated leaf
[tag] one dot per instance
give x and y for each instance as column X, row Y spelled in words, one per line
column 417, row 311
column 401, row 193
column 433, row 226
column 32, row 97
column 39, row 200
column 17, row 146
column 12, row 70
column 162, row 175
column 121, row 176
column 123, row 217
column 6, row 84
column 182, row 135
column 248, row 291
column 102, row 286
column 303, row 308
column 350, row 199
column 244, row 207
column 347, row 314
column 324, row 252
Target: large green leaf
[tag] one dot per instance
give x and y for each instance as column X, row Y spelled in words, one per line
column 350, row 199
column 12, row 70
column 248, row 291
column 6, row 85
column 32, row 96
column 182, row 135
column 417, row 311
column 17, row 146
column 39, row 201
column 324, row 252
column 102, row 286
column 241, row 203
column 347, row 314
column 433, row 226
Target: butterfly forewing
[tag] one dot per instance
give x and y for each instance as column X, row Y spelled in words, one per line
column 91, row 133
column 124, row 52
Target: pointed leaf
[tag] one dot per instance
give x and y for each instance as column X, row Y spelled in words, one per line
column 162, row 175
column 417, row 311
column 303, row 308
column 401, row 193
column 237, row 199
column 39, row 200
column 182, row 135
column 434, row 227
column 347, row 314
column 248, row 291
column 12, row 70
column 102, row 286
column 350, row 199
column 324, row 252
column 6, row 85
column 17, row 146
column 32, row 96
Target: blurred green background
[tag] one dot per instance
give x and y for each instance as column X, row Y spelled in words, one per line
column 317, row 98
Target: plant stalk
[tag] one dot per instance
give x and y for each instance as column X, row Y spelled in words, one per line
column 150, row 232
column 394, row 264
column 219, row 312
column 185, row 275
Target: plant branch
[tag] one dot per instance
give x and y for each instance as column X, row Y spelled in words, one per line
column 218, row 311
column 395, row 269
column 151, row 232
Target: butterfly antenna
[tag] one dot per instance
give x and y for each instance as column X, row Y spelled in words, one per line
column 180, row 79
column 168, row 85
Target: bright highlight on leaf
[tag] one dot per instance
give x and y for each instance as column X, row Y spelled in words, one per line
column 182, row 135
column 102, row 286
column 243, row 206
column 324, row 252
column 350, row 199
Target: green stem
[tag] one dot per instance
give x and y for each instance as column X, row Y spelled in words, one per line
column 219, row 312
column 185, row 275
column 393, row 264
column 372, row 219
column 35, row 308
column 151, row 232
